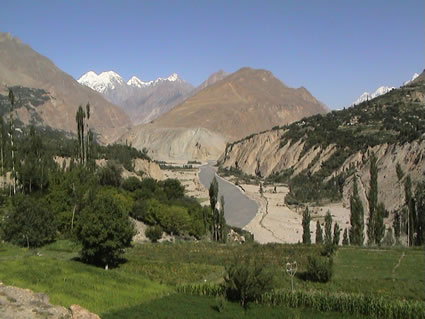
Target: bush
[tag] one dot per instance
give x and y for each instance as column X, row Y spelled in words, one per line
column 246, row 280
column 29, row 223
column 319, row 269
column 154, row 233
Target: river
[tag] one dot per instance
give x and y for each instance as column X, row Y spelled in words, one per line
column 239, row 210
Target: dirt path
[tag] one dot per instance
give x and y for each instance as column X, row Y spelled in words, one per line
column 264, row 216
column 398, row 264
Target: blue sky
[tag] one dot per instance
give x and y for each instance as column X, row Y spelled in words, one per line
column 337, row 49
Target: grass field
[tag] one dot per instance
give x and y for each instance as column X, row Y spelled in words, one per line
column 143, row 286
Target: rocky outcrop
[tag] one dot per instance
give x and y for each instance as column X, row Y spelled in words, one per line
column 148, row 168
column 176, row 143
column 265, row 154
column 16, row 303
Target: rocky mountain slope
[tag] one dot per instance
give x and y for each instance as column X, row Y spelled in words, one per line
column 319, row 155
column 245, row 102
column 22, row 66
column 142, row 101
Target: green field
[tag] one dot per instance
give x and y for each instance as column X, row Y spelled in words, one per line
column 144, row 285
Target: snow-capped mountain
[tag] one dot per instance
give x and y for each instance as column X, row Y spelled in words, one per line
column 412, row 79
column 143, row 101
column 369, row 96
column 380, row 91
column 103, row 82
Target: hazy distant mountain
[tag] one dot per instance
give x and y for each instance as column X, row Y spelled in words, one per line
column 213, row 78
column 143, row 101
column 242, row 103
column 20, row 65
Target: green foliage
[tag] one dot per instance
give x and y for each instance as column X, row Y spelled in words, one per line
column 28, row 223
column 131, row 184
column 319, row 269
column 373, row 202
column 173, row 189
column 345, row 241
column 154, row 233
column 356, row 217
column 104, row 229
column 246, row 280
column 337, row 234
column 319, row 233
column 328, row 228
column 110, row 175
column 306, row 227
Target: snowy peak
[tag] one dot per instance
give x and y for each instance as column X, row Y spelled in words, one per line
column 110, row 80
column 415, row 75
column 369, row 96
column 103, row 82
column 136, row 82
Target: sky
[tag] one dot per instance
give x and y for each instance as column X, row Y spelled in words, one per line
column 337, row 49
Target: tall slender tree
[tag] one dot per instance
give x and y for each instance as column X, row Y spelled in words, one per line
column 11, row 135
column 79, row 118
column 410, row 209
column 337, row 234
column 306, row 227
column 213, row 192
column 356, row 217
column 319, row 233
column 379, row 223
column 222, row 221
column 328, row 228
column 345, row 241
column 372, row 199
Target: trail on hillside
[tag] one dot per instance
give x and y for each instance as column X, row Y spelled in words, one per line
column 264, row 216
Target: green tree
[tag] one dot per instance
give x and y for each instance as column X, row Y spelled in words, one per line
column 306, row 227
column 420, row 209
column 213, row 192
column 104, row 230
column 328, row 228
column 110, row 174
column 356, row 217
column 410, row 204
column 29, row 223
column 79, row 118
column 222, row 221
column 337, row 234
column 345, row 241
column 319, row 233
column 173, row 189
column 379, row 223
column 372, row 199
column 11, row 135
column 245, row 280
column 397, row 225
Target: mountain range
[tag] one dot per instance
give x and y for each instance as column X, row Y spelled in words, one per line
column 142, row 101
column 242, row 103
column 22, row 66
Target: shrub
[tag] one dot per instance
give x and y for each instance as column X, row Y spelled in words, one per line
column 154, row 233
column 319, row 268
column 29, row 223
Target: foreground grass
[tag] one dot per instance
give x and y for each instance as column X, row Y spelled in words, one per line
column 195, row 307
column 140, row 286
column 69, row 282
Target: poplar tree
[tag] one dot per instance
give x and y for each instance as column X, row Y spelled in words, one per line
column 319, row 233
column 356, row 217
column 328, row 228
column 306, row 227
column 213, row 192
column 345, row 241
column 11, row 134
column 79, row 118
column 372, row 199
column 337, row 234
column 379, row 223
column 222, row 221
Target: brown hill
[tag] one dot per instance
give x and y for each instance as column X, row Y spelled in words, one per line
column 245, row 102
column 20, row 65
